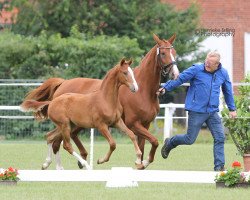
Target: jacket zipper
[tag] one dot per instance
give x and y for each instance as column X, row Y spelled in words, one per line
column 210, row 90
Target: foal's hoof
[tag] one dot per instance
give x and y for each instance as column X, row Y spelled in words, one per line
column 139, row 166
column 100, row 161
column 80, row 165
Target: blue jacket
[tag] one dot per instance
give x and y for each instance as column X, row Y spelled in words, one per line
column 204, row 91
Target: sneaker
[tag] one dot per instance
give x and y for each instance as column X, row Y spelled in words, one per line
column 221, row 168
column 165, row 150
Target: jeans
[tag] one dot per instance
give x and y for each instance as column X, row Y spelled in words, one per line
column 195, row 121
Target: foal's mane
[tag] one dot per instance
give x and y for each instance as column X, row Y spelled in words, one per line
column 109, row 73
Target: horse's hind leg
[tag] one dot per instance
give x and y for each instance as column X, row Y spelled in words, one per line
column 112, row 145
column 131, row 135
column 48, row 159
column 78, row 143
column 56, row 147
column 68, row 147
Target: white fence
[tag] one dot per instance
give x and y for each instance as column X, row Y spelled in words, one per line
column 168, row 116
column 169, row 109
column 119, row 176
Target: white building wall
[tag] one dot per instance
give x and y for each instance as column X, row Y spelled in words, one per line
column 224, row 45
column 247, row 53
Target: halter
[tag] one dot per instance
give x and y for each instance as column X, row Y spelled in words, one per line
column 164, row 67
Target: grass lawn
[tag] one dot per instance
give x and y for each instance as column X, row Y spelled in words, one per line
column 31, row 154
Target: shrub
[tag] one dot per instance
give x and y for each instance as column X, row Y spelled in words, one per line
column 239, row 127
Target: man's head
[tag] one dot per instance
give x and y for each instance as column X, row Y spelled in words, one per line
column 212, row 61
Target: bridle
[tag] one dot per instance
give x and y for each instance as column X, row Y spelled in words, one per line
column 165, row 68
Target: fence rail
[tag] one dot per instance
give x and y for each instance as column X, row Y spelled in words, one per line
column 168, row 116
column 15, row 90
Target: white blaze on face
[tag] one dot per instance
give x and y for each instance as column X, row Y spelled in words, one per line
column 175, row 69
column 133, row 78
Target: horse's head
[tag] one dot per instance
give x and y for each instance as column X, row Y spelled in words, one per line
column 126, row 75
column 166, row 56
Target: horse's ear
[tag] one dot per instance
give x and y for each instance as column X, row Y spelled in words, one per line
column 130, row 61
column 172, row 39
column 122, row 61
column 156, row 38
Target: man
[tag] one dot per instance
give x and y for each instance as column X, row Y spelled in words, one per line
column 202, row 104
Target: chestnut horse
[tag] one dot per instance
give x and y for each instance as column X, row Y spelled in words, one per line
column 140, row 109
column 100, row 109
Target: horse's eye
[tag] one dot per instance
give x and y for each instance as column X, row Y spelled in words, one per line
column 163, row 54
column 125, row 73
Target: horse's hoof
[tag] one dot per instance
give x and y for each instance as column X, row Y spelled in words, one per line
column 145, row 163
column 44, row 166
column 101, row 161
column 139, row 166
column 80, row 165
column 59, row 168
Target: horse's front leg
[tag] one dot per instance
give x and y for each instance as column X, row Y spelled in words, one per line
column 141, row 143
column 112, row 145
column 131, row 135
column 143, row 132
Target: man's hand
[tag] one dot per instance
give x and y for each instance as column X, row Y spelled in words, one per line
column 232, row 114
column 161, row 91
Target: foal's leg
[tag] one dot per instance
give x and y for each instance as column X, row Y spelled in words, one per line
column 141, row 143
column 78, row 143
column 56, row 147
column 138, row 153
column 68, row 147
column 48, row 159
column 143, row 132
column 112, row 145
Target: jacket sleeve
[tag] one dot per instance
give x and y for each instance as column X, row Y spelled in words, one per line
column 184, row 77
column 228, row 93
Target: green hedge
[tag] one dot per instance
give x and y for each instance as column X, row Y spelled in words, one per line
column 48, row 56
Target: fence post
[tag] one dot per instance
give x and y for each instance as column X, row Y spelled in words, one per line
column 91, row 158
column 166, row 123
column 168, row 120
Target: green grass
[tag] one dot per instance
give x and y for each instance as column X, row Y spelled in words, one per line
column 30, row 155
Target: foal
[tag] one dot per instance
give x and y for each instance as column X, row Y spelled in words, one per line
column 100, row 109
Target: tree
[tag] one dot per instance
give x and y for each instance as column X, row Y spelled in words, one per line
column 75, row 56
column 133, row 18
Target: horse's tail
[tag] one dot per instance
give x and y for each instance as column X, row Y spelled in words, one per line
column 44, row 92
column 35, row 106
column 53, row 135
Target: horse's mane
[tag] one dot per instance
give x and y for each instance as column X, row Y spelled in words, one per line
column 144, row 59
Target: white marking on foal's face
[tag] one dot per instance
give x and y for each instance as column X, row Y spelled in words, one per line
column 175, row 69
column 133, row 78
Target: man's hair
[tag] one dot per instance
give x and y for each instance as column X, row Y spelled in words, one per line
column 214, row 54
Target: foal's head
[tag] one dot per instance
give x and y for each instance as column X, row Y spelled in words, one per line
column 166, row 56
column 126, row 75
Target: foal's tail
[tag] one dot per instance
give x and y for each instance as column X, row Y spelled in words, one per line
column 44, row 92
column 35, row 106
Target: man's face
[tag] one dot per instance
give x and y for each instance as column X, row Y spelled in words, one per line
column 211, row 64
